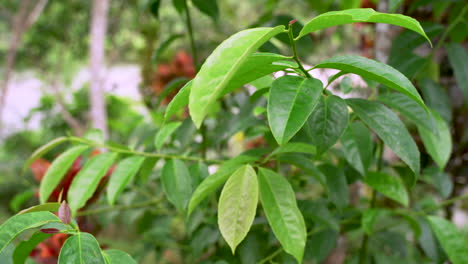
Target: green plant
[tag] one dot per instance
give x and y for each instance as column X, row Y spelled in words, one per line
column 299, row 126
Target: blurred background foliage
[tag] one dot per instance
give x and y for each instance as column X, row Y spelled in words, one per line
column 152, row 34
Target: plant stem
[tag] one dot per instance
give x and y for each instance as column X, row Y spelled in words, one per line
column 120, row 207
column 190, row 33
column 295, row 57
column 140, row 153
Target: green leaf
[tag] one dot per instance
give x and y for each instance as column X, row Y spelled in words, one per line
column 294, row 147
column 439, row 146
column 328, row 122
column 306, row 165
column 376, row 71
column 19, row 199
column 338, row 191
column 176, row 83
column 441, row 180
column 15, row 225
column 122, row 175
column 388, row 185
column 165, row 132
column 458, row 58
column 291, row 101
column 436, row 97
column 351, row 150
column 163, row 47
column 146, row 169
column 452, row 240
column 238, row 205
column 179, row 5
column 25, row 248
column 336, row 18
column 215, row 180
column 87, row 180
column 410, row 109
column 220, row 67
column 369, row 217
column 57, row 170
column 81, row 248
column 389, row 128
column 285, row 218
column 208, row 7
column 50, row 207
column 179, row 101
column 42, row 151
column 177, row 183
column 115, row 256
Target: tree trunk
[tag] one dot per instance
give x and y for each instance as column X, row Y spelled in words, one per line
column 97, row 65
column 22, row 21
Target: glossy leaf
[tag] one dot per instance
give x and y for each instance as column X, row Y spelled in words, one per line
column 215, row 180
column 338, row 191
column 15, row 225
column 42, row 151
column 290, row 103
column 439, row 146
column 238, row 205
column 336, row 18
column 81, row 248
column 286, row 221
column 376, row 71
column 124, row 172
column 328, row 122
column 458, row 57
column 177, row 183
column 164, row 133
column 452, row 240
column 57, row 170
column 388, row 185
column 25, row 248
column 410, row 109
column 389, row 128
column 179, row 101
column 220, row 67
column 115, row 256
column 87, row 180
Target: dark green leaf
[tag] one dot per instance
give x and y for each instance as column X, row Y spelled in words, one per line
column 328, row 122
column 335, row 18
column 177, row 183
column 458, row 58
column 122, row 175
column 376, row 71
column 452, row 240
column 306, row 165
column 321, row 244
column 43, row 150
column 290, row 103
column 115, row 256
column 57, row 170
column 15, row 225
column 338, row 191
column 238, row 205
column 220, row 67
column 87, row 180
column 208, row 7
column 179, row 5
column 351, row 150
column 389, row 128
column 388, row 185
column 25, row 248
column 439, row 145
column 81, row 248
column 215, row 180
column 436, row 97
column 146, row 169
column 164, row 133
column 286, row 221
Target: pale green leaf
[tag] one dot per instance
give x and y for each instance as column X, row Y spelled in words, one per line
column 164, row 133
column 81, row 248
column 328, row 122
column 87, row 180
column 122, row 175
column 177, row 183
column 388, row 185
column 376, row 71
column 220, row 67
column 336, row 18
column 292, row 99
column 452, row 240
column 115, row 256
column 389, row 128
column 179, row 101
column 42, row 151
column 285, row 218
column 237, row 205
column 57, row 170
